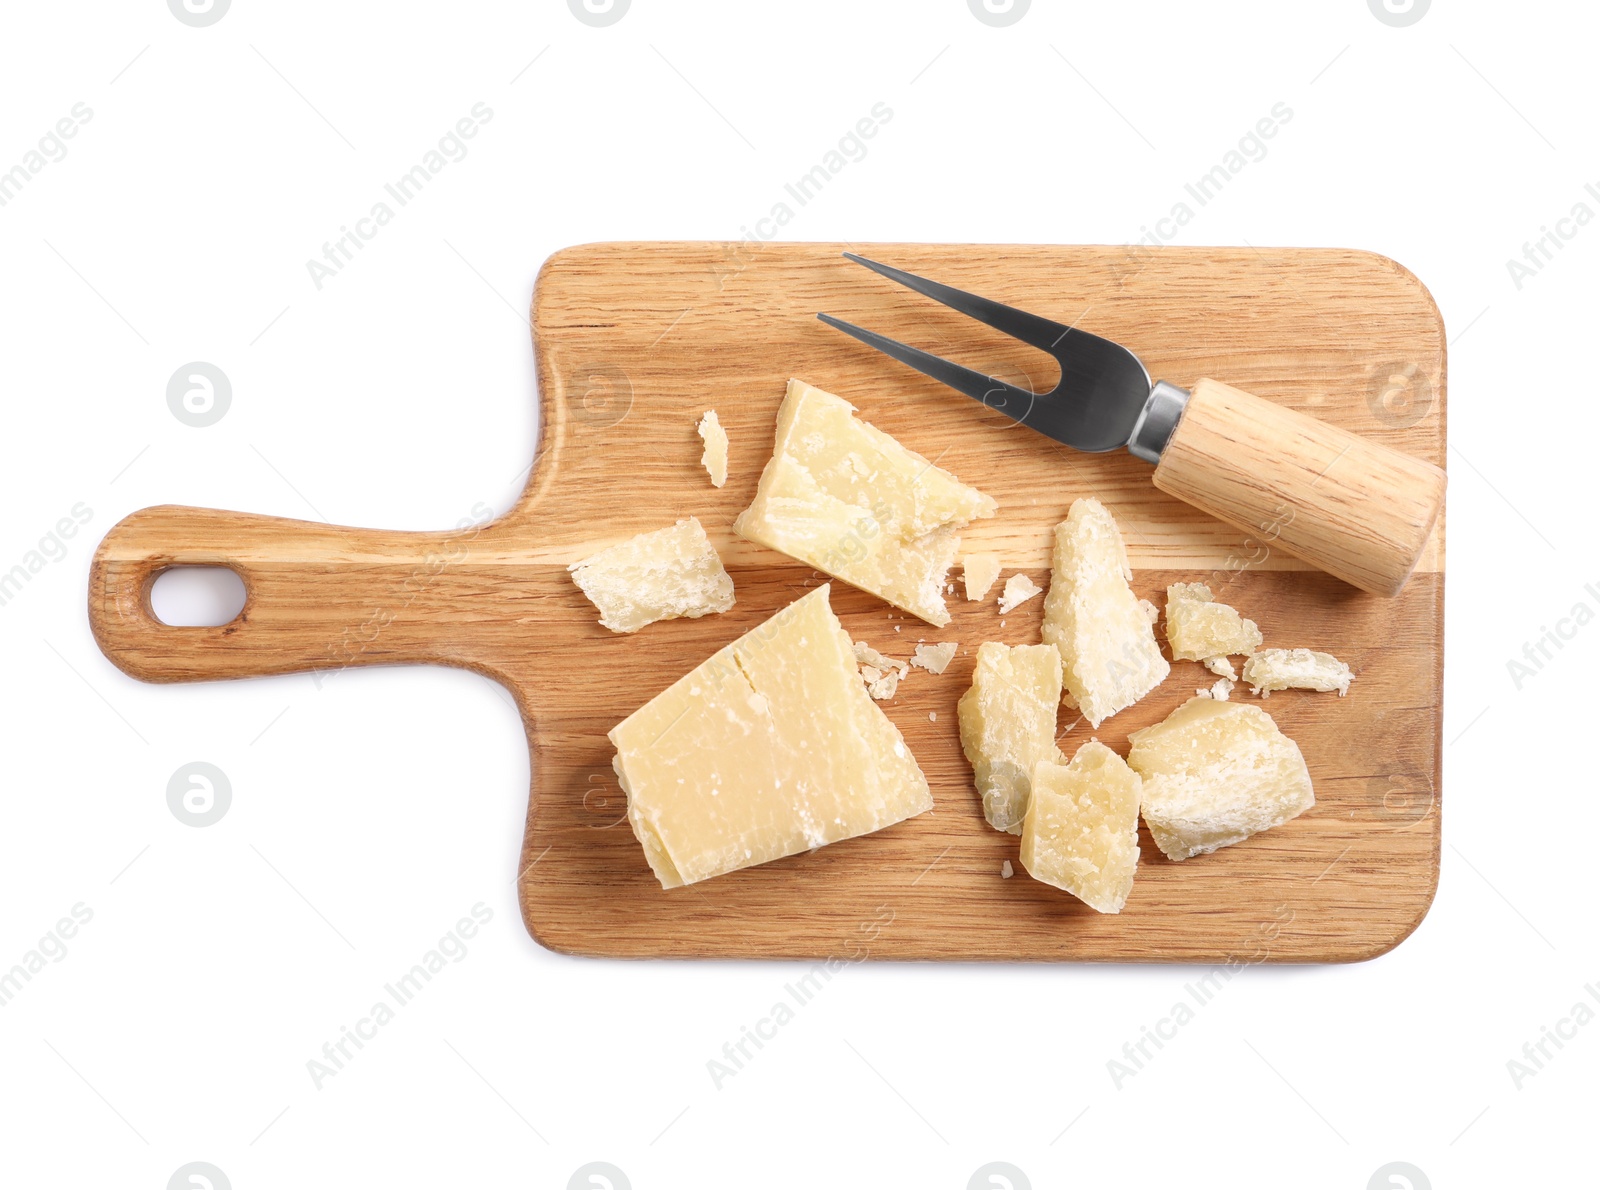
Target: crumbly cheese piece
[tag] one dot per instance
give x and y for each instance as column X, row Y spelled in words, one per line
column 935, row 658
column 659, row 575
column 1110, row 659
column 1221, row 688
column 1082, row 829
column 882, row 675
column 1005, row 869
column 714, row 458
column 1222, row 667
column 1008, row 725
column 1200, row 628
column 865, row 654
column 881, row 685
column 768, row 748
column 848, row 499
column 1018, row 590
column 979, row 572
column 1215, row 773
column 1301, row 669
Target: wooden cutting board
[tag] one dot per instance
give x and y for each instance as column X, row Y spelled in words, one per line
column 634, row 341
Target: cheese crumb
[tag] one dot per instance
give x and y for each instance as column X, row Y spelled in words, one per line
column 1198, row 627
column 934, row 658
column 1300, row 669
column 882, row 675
column 1110, row 659
column 715, row 456
column 1006, row 871
column 1019, row 589
column 885, row 686
column 979, row 572
column 660, row 575
column 1222, row 667
column 1219, row 690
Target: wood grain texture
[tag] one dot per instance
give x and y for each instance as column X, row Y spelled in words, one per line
column 1358, row 509
column 633, row 342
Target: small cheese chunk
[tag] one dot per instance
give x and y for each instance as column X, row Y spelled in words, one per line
column 848, row 499
column 1005, row 869
column 1110, row 659
column 1082, row 829
column 1008, row 724
column 1300, row 669
column 979, row 572
column 1215, row 773
column 1199, row 628
column 1019, row 589
column 659, row 575
column 1222, row 667
column 714, row 458
column 769, row 748
column 935, row 658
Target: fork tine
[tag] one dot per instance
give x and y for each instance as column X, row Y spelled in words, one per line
column 1019, row 324
column 1014, row 402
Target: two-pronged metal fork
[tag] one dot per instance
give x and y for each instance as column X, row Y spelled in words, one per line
column 1359, row 510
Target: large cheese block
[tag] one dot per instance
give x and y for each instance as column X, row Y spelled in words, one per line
column 844, row 497
column 1008, row 725
column 771, row 747
column 1081, row 833
column 1216, row 773
column 1106, row 633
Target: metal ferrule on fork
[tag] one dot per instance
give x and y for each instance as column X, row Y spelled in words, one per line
column 1157, row 420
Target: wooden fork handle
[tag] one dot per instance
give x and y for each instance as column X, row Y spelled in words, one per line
column 1361, row 511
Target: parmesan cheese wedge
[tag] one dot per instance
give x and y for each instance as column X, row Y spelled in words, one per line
column 1300, row 669
column 1201, row 629
column 660, row 575
column 714, row 458
column 769, row 748
column 1109, row 656
column 1082, row 829
column 848, row 499
column 1008, row 725
column 978, row 573
column 1216, row 773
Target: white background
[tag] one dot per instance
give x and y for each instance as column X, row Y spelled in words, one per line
column 371, row 813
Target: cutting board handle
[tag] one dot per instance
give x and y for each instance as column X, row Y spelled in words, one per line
column 1355, row 508
column 317, row 596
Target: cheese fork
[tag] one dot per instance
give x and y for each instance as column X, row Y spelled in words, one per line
column 1354, row 508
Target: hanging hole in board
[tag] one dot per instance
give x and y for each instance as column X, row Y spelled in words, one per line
column 197, row 596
